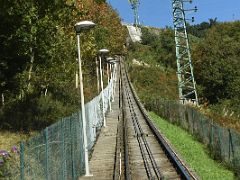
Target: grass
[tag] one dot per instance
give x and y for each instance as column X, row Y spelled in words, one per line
column 193, row 152
column 9, row 139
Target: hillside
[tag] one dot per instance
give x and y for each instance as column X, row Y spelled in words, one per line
column 38, row 58
column 216, row 68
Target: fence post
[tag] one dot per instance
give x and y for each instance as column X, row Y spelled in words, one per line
column 80, row 134
column 193, row 121
column 165, row 110
column 95, row 121
column 74, row 144
column 47, row 153
column 201, row 120
column 72, row 150
column 22, row 160
column 230, row 145
column 211, row 135
column 63, row 149
column 109, row 97
column 168, row 112
column 220, row 141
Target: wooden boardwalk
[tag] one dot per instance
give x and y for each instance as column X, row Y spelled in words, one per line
column 103, row 156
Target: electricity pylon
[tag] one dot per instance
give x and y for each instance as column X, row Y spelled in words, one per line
column 135, row 5
column 186, row 82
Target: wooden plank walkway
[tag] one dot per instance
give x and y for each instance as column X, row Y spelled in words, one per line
column 103, row 156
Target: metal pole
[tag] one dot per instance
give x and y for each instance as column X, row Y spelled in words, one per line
column 109, row 102
column 101, row 78
column 47, row 165
column 114, row 77
column 108, row 72
column 97, row 72
column 87, row 173
column 112, row 82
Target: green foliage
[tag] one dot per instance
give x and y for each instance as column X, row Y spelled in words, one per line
column 162, row 46
column 148, row 37
column 153, row 75
column 141, row 53
column 9, row 163
column 38, row 57
column 101, row 33
column 153, row 83
column 200, row 30
column 34, row 113
column 215, row 49
column 215, row 55
column 217, row 63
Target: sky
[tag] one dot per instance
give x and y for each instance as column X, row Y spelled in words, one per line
column 158, row 13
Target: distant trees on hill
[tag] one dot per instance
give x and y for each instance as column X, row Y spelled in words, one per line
column 199, row 30
column 217, row 65
column 216, row 59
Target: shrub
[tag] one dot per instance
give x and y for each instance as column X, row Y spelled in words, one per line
column 9, row 163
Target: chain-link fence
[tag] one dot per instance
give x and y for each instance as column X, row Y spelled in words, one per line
column 224, row 144
column 57, row 153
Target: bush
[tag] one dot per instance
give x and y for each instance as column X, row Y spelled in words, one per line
column 34, row 113
column 153, row 82
column 9, row 163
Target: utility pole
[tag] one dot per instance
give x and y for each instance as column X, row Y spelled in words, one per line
column 186, row 82
column 135, row 5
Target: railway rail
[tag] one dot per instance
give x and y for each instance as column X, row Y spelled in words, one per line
column 146, row 153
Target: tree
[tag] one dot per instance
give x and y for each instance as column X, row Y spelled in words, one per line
column 38, row 56
column 217, row 62
column 199, row 30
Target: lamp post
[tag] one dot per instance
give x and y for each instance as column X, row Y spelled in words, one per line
column 109, row 60
column 79, row 27
column 113, row 62
column 97, row 73
column 102, row 52
column 112, row 72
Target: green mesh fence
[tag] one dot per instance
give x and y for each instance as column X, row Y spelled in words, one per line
column 57, row 153
column 224, row 143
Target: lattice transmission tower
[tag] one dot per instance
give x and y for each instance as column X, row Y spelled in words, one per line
column 135, row 6
column 186, row 81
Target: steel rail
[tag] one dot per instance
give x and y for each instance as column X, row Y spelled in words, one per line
column 180, row 167
column 125, row 134
column 156, row 168
column 139, row 135
column 142, row 136
column 143, row 144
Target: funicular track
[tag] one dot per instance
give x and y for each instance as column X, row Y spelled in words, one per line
column 146, row 153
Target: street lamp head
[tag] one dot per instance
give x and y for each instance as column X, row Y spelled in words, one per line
column 110, row 59
column 103, row 51
column 83, row 25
